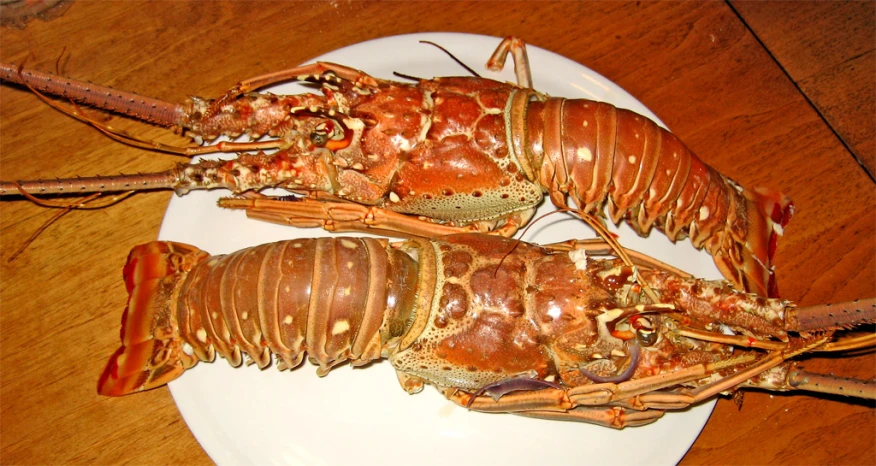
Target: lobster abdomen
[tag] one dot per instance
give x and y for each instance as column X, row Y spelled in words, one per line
column 599, row 154
column 336, row 299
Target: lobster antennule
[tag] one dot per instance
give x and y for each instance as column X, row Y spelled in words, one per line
column 152, row 351
column 831, row 316
column 134, row 105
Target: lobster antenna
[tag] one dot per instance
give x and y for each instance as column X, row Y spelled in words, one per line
column 83, row 204
column 78, row 114
column 458, row 61
column 127, row 139
column 522, row 234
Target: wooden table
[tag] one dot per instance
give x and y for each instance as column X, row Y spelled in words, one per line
column 778, row 95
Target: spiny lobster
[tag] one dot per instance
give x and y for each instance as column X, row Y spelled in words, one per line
column 496, row 324
column 442, row 156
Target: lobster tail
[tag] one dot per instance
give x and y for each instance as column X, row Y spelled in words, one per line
column 602, row 155
column 744, row 249
column 334, row 299
column 152, row 351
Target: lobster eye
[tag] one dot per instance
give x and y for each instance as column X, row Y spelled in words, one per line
column 646, row 337
column 645, row 334
column 319, row 139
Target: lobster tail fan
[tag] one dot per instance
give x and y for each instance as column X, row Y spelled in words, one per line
column 152, row 352
column 746, row 254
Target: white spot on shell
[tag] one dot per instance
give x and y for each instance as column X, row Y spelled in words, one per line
column 778, row 229
column 340, row 327
column 202, row 335
column 394, row 197
column 187, row 349
column 348, row 244
column 287, row 320
column 244, row 316
column 632, row 159
column 585, row 123
column 704, row 213
column 584, row 154
column 579, row 257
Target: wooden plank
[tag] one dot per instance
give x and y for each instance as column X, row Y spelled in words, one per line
column 828, row 50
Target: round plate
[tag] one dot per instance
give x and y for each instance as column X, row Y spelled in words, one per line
column 362, row 416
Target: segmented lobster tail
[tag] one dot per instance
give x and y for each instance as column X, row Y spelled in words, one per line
column 334, row 299
column 602, row 155
column 152, row 351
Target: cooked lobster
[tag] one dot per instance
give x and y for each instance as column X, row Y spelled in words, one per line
column 441, row 156
column 496, row 324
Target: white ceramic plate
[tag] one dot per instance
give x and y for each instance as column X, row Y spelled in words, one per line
column 362, row 416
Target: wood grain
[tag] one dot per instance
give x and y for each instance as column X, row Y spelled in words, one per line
column 828, row 50
column 695, row 64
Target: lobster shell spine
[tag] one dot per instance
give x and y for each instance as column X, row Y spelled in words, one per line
column 337, row 299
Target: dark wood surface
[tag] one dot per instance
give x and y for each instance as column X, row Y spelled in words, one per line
column 827, row 50
column 743, row 104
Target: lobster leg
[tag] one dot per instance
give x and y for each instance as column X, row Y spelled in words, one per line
column 339, row 215
column 314, row 70
column 615, row 417
column 517, row 48
column 575, row 404
column 548, row 399
column 554, row 404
